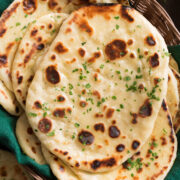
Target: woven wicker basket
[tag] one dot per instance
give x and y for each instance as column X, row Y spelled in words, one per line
column 157, row 15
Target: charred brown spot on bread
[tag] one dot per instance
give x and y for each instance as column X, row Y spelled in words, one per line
column 97, row 94
column 81, row 52
column 135, row 144
column 52, row 75
column 135, row 117
column 45, row 125
column 164, row 106
column 83, row 104
column 102, row 9
column 33, row 150
column 99, row 127
column 154, row 60
column 132, row 55
column 53, row 57
column 2, row 31
column 30, row 79
column 68, row 30
column 29, row 131
column 5, row 16
column 20, row 79
column 40, row 46
column 37, row 105
column 20, row 92
column 130, row 42
column 99, row 115
column 60, row 48
column 9, row 46
column 156, row 80
column 141, row 86
column 77, row 165
column 69, row 110
column 34, row 32
column 124, row 13
column 50, row 26
column 116, row 49
column 169, row 78
column 3, row 60
column 96, row 164
column 61, row 98
column 96, row 55
column 29, row 55
column 146, row 109
column 39, row 39
column 61, row 168
column 150, row 40
column 114, row 132
column 86, row 137
column 109, row 113
column 52, row 4
column 59, row 112
column 120, row 148
column 29, row 6
column 163, row 141
column 84, row 26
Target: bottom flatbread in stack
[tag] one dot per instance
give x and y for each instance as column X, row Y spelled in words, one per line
column 10, row 169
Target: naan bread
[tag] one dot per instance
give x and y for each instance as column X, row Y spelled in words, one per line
column 153, row 161
column 59, row 169
column 176, row 121
column 99, row 97
column 32, row 48
column 29, row 143
column 13, row 24
column 10, row 169
column 8, row 101
column 172, row 95
column 173, row 64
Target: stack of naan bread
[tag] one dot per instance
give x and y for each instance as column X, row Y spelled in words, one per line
column 94, row 86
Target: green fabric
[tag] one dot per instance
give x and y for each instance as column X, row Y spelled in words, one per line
column 8, row 139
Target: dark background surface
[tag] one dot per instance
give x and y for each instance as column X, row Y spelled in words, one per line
column 173, row 8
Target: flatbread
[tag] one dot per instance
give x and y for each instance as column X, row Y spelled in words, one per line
column 8, row 101
column 172, row 95
column 176, row 121
column 10, row 169
column 90, row 100
column 29, row 143
column 153, row 161
column 32, row 48
column 173, row 64
column 13, row 24
column 59, row 169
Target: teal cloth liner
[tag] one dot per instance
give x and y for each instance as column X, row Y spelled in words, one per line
column 8, row 123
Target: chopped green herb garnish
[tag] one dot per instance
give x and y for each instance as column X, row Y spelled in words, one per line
column 18, row 24
column 139, row 76
column 132, row 87
column 88, row 86
column 70, row 86
column 114, row 97
column 101, row 66
column 127, row 78
column 121, row 106
column 117, row 26
column 116, row 17
column 139, row 70
column 118, row 72
column 77, row 125
column 26, row 15
column 32, row 114
column 75, row 70
column 83, row 43
column 52, row 133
